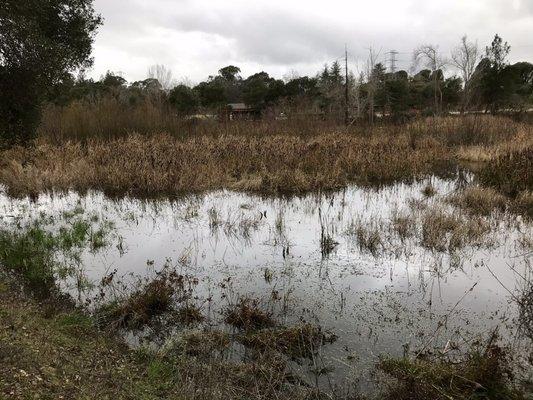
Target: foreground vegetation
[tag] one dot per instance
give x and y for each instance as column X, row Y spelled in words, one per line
column 51, row 348
column 49, row 354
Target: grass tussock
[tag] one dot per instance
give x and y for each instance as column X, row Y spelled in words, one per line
column 201, row 344
column 154, row 299
column 482, row 375
column 404, row 225
column 301, row 341
column 429, row 190
column 247, row 315
column 442, row 231
column 479, row 200
column 189, row 314
column 368, row 236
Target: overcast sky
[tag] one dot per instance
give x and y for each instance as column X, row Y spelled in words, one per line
column 195, row 38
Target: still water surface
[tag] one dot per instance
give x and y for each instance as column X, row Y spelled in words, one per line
column 396, row 301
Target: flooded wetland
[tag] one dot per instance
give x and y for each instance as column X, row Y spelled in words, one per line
column 331, row 283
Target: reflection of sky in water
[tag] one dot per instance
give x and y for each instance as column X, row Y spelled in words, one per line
column 376, row 305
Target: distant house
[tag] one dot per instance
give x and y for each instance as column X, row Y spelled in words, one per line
column 239, row 111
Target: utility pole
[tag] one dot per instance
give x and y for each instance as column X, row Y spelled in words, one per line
column 392, row 60
column 346, row 92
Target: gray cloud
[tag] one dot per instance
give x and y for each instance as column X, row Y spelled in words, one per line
column 196, row 38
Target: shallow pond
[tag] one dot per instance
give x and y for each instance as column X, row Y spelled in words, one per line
column 302, row 259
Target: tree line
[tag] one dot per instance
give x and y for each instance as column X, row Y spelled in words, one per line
column 42, row 54
column 482, row 82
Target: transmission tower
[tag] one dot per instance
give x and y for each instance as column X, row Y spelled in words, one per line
column 392, row 60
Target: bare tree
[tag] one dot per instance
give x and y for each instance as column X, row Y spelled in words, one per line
column 162, row 74
column 429, row 55
column 291, row 75
column 465, row 58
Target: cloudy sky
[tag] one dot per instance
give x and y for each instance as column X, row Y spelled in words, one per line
column 195, row 38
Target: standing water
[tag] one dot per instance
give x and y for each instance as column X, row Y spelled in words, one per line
column 360, row 263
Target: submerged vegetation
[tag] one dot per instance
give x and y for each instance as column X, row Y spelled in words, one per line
column 40, row 255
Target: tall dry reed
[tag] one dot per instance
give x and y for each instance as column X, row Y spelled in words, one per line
column 162, row 164
column 267, row 157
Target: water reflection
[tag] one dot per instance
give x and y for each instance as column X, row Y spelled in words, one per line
column 301, row 259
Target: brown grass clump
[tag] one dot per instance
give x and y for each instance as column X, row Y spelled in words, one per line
column 404, row 225
column 482, row 375
column 476, row 153
column 201, row 343
column 511, row 173
column 153, row 300
column 470, row 130
column 368, row 237
column 526, row 310
column 247, row 315
column 189, row 314
column 300, row 341
column 448, row 232
column 487, row 152
column 523, row 204
column 479, row 200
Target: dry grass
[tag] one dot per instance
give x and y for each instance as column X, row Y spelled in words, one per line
column 301, row 341
column 248, row 315
column 429, row 190
column 523, row 204
column 111, row 117
column 404, row 225
column 164, row 165
column 479, row 200
column 442, row 231
column 368, row 236
column 148, row 302
column 511, row 173
column 483, row 153
column 268, row 157
column 201, row 344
